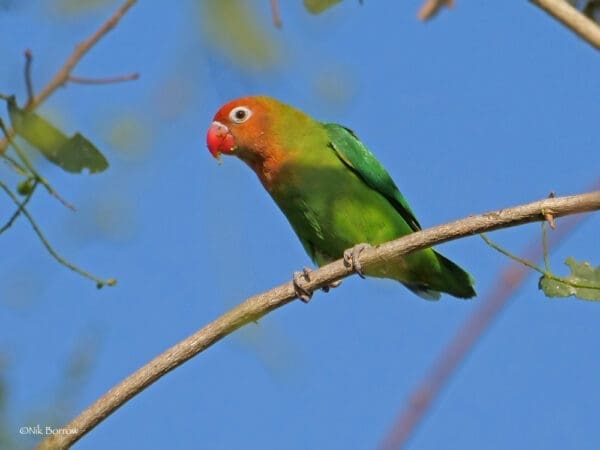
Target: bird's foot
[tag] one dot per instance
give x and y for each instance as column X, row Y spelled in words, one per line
column 302, row 293
column 351, row 258
column 331, row 286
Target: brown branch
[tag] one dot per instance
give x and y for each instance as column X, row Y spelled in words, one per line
column 28, row 82
column 276, row 14
column 62, row 76
column 106, row 80
column 431, row 7
column 422, row 398
column 570, row 17
column 256, row 307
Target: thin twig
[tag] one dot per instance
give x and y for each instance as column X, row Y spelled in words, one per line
column 22, row 205
column 99, row 283
column 28, row 82
column 25, row 160
column 545, row 273
column 548, row 216
column 18, row 168
column 426, row 393
column 256, row 307
column 276, row 14
column 570, row 17
column 431, row 7
column 545, row 252
column 509, row 255
column 106, row 80
column 62, row 76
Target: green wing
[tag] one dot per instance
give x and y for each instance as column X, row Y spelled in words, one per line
column 363, row 163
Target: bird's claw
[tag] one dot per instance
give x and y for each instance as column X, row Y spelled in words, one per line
column 302, row 293
column 331, row 286
column 351, row 256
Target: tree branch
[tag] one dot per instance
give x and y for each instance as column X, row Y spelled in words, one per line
column 256, row 307
column 431, row 7
column 62, row 76
column 106, row 80
column 28, row 82
column 426, row 393
column 570, row 17
column 276, row 14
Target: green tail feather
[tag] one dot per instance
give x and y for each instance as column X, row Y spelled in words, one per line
column 454, row 280
column 450, row 279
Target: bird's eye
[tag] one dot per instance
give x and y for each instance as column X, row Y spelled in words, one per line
column 240, row 114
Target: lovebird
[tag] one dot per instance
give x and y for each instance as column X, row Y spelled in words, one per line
column 336, row 195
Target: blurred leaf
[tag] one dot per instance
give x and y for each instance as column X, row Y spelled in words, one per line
column 582, row 274
column 112, row 215
column 7, row 435
column 234, row 28
column 74, row 7
column 175, row 95
column 318, row 6
column 115, row 216
column 129, row 136
column 72, row 154
column 79, row 153
column 592, row 10
column 272, row 347
column 35, row 130
column 335, row 85
column 76, row 372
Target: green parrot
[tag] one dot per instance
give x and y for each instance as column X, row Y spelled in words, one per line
column 333, row 191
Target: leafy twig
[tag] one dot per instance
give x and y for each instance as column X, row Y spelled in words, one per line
column 545, row 273
column 25, row 160
column 423, row 396
column 22, row 205
column 510, row 255
column 256, row 307
column 62, row 76
column 99, row 283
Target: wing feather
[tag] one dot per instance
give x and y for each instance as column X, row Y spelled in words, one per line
column 363, row 163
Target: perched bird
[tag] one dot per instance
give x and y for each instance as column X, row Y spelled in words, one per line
column 332, row 189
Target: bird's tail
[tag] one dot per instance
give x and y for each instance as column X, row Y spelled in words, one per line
column 453, row 279
column 448, row 278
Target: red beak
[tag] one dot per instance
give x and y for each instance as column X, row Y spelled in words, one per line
column 219, row 140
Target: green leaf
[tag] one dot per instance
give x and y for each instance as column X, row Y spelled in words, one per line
column 72, row 154
column 318, row 6
column 583, row 282
column 79, row 153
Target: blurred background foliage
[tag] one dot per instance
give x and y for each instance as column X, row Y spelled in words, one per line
column 240, row 36
column 225, row 46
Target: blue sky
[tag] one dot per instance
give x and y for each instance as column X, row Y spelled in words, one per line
column 482, row 108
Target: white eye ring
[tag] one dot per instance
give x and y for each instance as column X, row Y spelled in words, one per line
column 240, row 114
